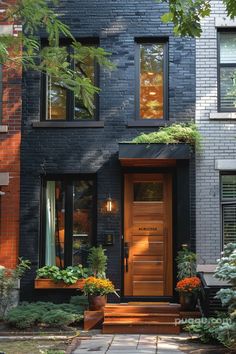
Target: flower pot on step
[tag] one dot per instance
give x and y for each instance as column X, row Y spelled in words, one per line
column 97, row 302
column 188, row 300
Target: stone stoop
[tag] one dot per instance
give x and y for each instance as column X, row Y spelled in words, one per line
column 142, row 318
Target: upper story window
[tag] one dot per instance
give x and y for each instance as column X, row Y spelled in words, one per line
column 151, row 72
column 61, row 103
column 228, row 205
column 227, row 72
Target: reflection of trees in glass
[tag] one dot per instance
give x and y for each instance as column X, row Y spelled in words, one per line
column 148, row 191
column 82, row 216
column 56, row 100
column 151, row 80
column 151, row 57
column 87, row 68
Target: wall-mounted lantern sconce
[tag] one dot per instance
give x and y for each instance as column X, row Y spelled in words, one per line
column 109, row 206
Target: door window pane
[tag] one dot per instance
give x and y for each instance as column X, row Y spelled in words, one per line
column 82, row 219
column 151, row 81
column 55, row 224
column 148, row 192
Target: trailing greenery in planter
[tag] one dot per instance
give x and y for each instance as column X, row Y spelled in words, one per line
column 218, row 328
column 173, row 134
column 8, row 283
column 69, row 275
column 49, row 314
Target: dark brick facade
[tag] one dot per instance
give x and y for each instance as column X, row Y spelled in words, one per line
column 94, row 150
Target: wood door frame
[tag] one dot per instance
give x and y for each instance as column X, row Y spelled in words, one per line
column 168, row 175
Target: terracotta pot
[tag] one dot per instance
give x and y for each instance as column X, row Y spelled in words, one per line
column 188, row 301
column 97, row 302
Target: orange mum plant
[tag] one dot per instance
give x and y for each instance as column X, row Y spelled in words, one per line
column 188, row 285
column 98, row 286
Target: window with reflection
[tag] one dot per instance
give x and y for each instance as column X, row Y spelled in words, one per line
column 61, row 103
column 68, row 220
column 228, row 207
column 151, row 80
column 227, row 71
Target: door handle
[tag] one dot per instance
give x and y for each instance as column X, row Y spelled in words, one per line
column 126, row 256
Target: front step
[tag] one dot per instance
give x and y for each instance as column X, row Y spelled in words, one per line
column 146, row 318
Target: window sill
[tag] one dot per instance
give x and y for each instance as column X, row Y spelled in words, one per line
column 148, row 123
column 223, row 116
column 81, row 124
column 3, row 128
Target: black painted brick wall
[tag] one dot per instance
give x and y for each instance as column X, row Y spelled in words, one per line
column 94, row 150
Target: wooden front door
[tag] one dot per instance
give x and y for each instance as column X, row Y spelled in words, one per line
column 148, row 235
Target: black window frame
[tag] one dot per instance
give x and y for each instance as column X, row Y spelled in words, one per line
column 224, row 202
column 152, row 40
column 219, row 66
column 67, row 180
column 70, row 100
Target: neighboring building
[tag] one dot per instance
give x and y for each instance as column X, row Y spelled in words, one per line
column 10, row 139
column 216, row 119
column 72, row 162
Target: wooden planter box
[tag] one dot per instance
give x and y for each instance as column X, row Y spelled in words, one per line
column 50, row 284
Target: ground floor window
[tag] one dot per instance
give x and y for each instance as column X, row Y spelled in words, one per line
column 68, row 220
column 228, row 206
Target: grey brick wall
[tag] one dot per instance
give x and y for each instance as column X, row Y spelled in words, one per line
column 77, row 150
column 218, row 139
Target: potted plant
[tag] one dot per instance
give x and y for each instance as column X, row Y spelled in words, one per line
column 97, row 290
column 52, row 277
column 188, row 289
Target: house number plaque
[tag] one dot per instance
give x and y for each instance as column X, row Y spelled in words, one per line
column 148, row 229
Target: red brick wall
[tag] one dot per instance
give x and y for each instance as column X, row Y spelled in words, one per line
column 10, row 162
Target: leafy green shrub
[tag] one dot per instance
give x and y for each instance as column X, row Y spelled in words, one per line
column 186, row 263
column 206, row 328
column 8, row 281
column 173, row 134
column 29, row 314
column 223, row 330
column 69, row 275
column 97, row 261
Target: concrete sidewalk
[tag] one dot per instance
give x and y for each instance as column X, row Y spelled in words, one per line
column 127, row 343
column 144, row 344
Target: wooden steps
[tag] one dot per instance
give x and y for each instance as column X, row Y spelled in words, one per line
column 146, row 318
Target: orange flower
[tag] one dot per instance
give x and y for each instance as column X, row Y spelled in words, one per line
column 188, row 284
column 98, row 286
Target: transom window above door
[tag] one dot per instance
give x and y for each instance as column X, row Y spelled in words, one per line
column 68, row 220
column 151, row 76
column 227, row 71
column 60, row 103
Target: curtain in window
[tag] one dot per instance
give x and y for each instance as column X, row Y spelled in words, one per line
column 50, row 254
